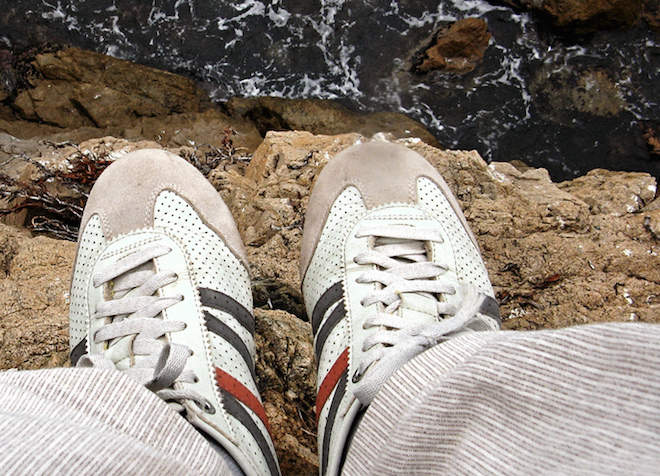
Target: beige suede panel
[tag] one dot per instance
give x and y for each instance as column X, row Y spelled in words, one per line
column 125, row 194
column 382, row 172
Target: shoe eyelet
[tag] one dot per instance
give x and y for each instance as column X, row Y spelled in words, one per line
column 207, row 407
column 357, row 376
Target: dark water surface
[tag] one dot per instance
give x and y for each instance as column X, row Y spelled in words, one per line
column 567, row 106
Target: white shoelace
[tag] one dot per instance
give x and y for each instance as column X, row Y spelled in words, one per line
column 401, row 256
column 134, row 310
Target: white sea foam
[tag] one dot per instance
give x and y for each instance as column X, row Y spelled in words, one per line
column 279, row 17
column 59, row 12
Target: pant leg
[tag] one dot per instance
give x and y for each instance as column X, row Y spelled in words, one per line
column 90, row 421
column 581, row 400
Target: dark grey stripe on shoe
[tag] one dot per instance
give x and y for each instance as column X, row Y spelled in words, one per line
column 490, row 308
column 223, row 331
column 332, row 414
column 235, row 409
column 222, row 302
column 337, row 314
column 331, row 296
column 78, row 351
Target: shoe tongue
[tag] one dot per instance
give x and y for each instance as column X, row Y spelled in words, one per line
column 398, row 214
column 421, row 308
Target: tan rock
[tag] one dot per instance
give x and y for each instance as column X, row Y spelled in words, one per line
column 615, row 193
column 34, row 295
column 286, row 369
column 652, row 222
column 323, row 117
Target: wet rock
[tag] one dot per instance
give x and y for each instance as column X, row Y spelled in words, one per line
column 566, row 94
column 651, row 134
column 456, row 48
column 584, row 16
column 8, row 75
column 196, row 129
column 651, row 14
column 10, row 124
column 323, row 117
column 93, row 95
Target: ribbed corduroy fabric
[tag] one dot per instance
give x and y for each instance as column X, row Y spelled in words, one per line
column 94, row 422
column 581, row 400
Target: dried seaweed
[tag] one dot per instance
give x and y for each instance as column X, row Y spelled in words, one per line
column 52, row 202
column 206, row 157
column 47, row 212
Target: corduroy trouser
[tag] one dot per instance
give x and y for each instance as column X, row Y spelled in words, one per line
column 581, row 400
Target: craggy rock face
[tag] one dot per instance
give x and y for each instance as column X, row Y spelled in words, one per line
column 577, row 252
column 80, row 88
column 83, row 94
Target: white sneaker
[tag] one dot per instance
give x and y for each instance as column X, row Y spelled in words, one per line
column 161, row 292
column 389, row 268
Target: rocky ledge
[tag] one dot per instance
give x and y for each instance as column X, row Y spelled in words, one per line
column 73, row 94
column 559, row 254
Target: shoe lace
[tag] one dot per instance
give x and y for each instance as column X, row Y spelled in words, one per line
column 400, row 255
column 135, row 310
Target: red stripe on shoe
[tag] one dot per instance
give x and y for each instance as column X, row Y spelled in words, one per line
column 330, row 381
column 241, row 393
